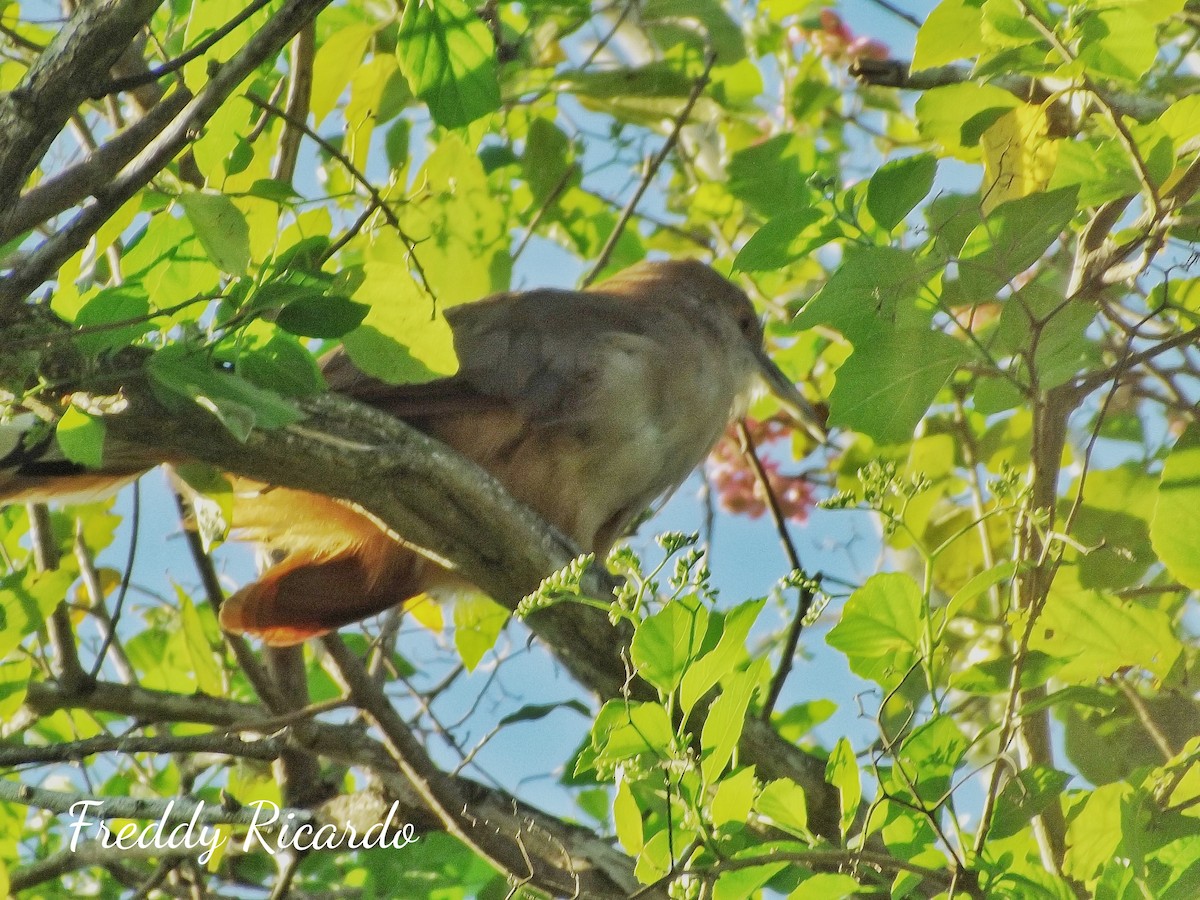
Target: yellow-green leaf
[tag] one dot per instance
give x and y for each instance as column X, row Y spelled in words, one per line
column 1173, row 531
column 81, row 437
column 478, row 621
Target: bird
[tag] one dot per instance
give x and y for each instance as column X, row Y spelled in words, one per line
column 585, row 405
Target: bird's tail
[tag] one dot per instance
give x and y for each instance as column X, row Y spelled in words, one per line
column 340, row 567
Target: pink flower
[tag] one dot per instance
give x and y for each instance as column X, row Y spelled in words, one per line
column 737, row 487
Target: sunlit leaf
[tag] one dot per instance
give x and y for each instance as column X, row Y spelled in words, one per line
column 1095, row 635
column 448, row 56
column 627, row 818
column 221, row 228
column 726, row 719
column 842, row 772
column 665, row 643
column 782, row 802
column 950, row 32
column 200, row 652
column 898, row 186
column 1173, row 531
column 734, row 797
column 889, row 381
column 478, row 621
column 1018, row 157
column 81, row 437
column 880, row 630
column 718, row 662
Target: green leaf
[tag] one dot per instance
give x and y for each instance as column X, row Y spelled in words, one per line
column 1120, row 41
column 825, row 885
column 179, row 377
column 873, row 288
column 459, row 225
column 944, row 113
column 888, row 382
column 718, row 662
column 802, row 718
column 734, row 797
column 772, row 177
column 1095, row 635
column 1030, row 792
column 26, row 600
column 449, row 58
column 1095, row 831
column 547, row 160
column 880, row 630
column 322, row 316
column 665, row 643
column 270, row 358
column 404, row 337
column 745, row 883
column 106, row 311
column 1012, row 238
column 627, row 817
column 1099, row 167
column 14, row 686
column 841, row 771
column 337, row 59
column 984, row 581
column 667, row 19
column 1062, row 346
column 170, row 261
column 898, row 186
column 221, row 228
column 782, row 802
column 531, row 712
column 81, row 437
column 478, row 621
column 950, row 32
column 726, row 719
column 273, row 189
column 1114, row 521
column 1181, row 121
column 930, row 755
column 1173, row 531
column 782, row 241
column 624, row 729
column 199, row 650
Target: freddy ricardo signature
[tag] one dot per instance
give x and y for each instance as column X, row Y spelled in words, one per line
column 265, row 830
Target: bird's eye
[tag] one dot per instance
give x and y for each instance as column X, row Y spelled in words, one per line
column 748, row 324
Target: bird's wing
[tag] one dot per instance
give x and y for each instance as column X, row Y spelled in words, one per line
column 527, row 350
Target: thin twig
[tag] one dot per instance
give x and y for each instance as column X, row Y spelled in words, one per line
column 358, row 176
column 259, row 679
column 806, row 594
column 898, row 12
column 134, row 529
column 143, row 78
column 652, row 169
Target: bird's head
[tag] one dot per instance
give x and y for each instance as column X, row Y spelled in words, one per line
column 712, row 302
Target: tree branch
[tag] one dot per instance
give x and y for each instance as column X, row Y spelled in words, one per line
column 45, row 261
column 897, row 73
column 71, row 186
column 80, row 54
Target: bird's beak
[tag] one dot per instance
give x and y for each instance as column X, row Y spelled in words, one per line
column 783, row 388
